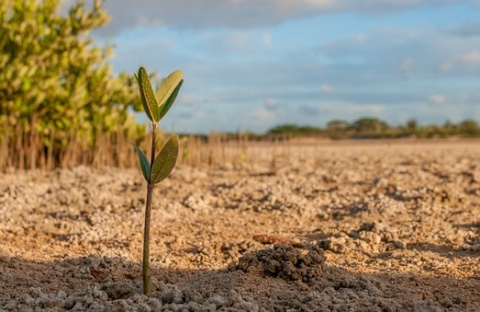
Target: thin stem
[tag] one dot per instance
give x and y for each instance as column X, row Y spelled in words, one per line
column 154, row 141
column 146, row 242
column 146, row 232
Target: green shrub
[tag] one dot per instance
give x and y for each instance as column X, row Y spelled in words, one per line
column 54, row 78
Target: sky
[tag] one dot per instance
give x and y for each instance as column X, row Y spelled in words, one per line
column 251, row 65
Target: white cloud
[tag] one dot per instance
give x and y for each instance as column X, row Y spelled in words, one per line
column 263, row 116
column 470, row 59
column 437, row 99
column 288, row 5
column 267, row 40
column 326, row 88
column 271, row 104
column 460, row 61
column 425, row 52
column 406, row 66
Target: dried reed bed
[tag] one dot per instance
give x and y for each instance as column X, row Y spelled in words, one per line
column 33, row 150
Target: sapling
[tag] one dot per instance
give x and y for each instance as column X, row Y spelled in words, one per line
column 160, row 166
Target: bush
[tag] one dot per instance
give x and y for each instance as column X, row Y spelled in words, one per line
column 54, row 79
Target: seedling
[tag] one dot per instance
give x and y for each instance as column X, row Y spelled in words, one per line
column 160, row 166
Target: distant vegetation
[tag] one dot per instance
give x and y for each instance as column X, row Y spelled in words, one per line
column 362, row 128
column 374, row 128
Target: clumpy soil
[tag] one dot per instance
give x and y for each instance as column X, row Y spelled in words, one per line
column 333, row 227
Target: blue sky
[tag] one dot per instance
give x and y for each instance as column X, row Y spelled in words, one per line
column 251, row 65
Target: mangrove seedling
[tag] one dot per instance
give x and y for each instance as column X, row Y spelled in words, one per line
column 156, row 106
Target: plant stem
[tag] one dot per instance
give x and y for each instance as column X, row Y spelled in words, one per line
column 146, row 242
column 154, row 141
column 146, row 232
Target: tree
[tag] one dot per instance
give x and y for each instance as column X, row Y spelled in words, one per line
column 411, row 124
column 469, row 128
column 292, row 129
column 341, row 125
column 370, row 124
column 53, row 78
column 284, row 129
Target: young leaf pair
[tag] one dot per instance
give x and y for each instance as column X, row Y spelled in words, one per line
column 166, row 94
column 163, row 163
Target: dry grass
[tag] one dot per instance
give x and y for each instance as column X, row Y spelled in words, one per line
column 24, row 151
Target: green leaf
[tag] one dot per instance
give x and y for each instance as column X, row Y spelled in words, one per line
column 144, row 164
column 168, row 86
column 165, row 160
column 166, row 106
column 149, row 102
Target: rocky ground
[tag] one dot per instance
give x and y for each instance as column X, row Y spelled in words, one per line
column 333, row 227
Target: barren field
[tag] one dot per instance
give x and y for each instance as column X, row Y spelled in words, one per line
column 333, row 227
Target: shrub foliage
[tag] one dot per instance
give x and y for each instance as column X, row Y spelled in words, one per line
column 53, row 77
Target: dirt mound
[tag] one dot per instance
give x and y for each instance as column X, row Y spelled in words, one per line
column 284, row 261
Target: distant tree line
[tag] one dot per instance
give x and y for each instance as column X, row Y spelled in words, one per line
column 374, row 128
column 362, row 128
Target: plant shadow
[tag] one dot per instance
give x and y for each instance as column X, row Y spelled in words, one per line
column 445, row 250
column 334, row 287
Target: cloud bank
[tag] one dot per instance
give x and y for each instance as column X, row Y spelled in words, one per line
column 194, row 14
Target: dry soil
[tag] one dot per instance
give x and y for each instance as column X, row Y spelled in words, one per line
column 335, row 227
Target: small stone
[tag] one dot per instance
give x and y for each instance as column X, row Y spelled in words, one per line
column 475, row 247
column 98, row 294
column 120, row 291
column 143, row 307
column 61, row 295
column 120, row 305
column 399, row 244
column 218, row 301
column 249, row 306
column 35, row 292
column 12, row 305
column 154, row 304
column 376, row 239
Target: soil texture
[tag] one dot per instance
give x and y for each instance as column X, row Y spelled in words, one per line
column 335, row 227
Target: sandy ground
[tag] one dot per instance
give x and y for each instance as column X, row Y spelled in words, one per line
column 364, row 227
